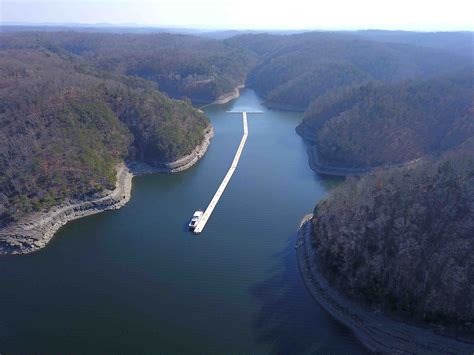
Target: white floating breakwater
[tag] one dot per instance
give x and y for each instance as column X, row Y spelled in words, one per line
column 210, row 208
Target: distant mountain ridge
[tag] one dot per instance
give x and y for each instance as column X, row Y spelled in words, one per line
column 457, row 42
column 294, row 70
column 183, row 66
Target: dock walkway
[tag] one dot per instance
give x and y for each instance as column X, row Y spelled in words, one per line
column 207, row 213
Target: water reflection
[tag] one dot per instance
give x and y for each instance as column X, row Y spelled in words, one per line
column 290, row 323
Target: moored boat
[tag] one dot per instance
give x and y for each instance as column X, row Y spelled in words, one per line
column 195, row 219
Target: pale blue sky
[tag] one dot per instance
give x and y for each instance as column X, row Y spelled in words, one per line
column 424, row 15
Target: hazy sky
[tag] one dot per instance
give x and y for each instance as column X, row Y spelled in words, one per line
column 255, row 14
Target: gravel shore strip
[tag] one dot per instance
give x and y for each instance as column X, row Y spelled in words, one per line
column 34, row 231
column 223, row 99
column 325, row 169
column 377, row 332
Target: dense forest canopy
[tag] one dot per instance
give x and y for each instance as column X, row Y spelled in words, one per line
column 402, row 240
column 294, row 70
column 183, row 66
column 379, row 124
column 287, row 70
column 459, row 43
column 399, row 239
column 65, row 125
column 72, row 104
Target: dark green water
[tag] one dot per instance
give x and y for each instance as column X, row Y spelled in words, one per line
column 135, row 280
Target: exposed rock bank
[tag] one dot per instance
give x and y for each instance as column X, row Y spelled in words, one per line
column 140, row 168
column 322, row 168
column 274, row 105
column 313, row 157
column 374, row 330
column 35, row 231
column 223, row 99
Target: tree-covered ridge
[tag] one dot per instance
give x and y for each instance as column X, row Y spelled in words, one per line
column 183, row 66
column 402, row 240
column 287, row 70
column 294, row 70
column 64, row 126
column 324, row 78
column 378, row 124
column 459, row 43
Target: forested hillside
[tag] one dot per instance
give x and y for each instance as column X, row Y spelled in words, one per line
column 296, row 69
column 64, row 126
column 379, row 124
column 399, row 239
column 197, row 68
column 402, row 240
column 289, row 71
column 459, row 43
column 73, row 104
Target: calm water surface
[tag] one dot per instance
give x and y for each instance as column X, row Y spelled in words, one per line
column 135, row 280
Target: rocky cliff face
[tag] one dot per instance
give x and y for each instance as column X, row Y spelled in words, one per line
column 402, row 240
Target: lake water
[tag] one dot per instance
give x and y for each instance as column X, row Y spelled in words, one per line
column 135, row 280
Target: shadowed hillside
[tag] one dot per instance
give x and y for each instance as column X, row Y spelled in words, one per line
column 376, row 124
column 402, row 240
column 293, row 70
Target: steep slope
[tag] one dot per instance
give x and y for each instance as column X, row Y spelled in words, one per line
column 198, row 68
column 298, row 92
column 65, row 127
column 293, row 70
column 403, row 240
column 375, row 125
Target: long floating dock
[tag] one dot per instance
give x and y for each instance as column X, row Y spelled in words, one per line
column 207, row 213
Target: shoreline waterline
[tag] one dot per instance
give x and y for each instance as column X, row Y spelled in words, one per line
column 226, row 98
column 136, row 280
column 376, row 331
column 35, row 231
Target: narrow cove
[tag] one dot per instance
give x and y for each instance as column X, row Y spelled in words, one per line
column 136, row 280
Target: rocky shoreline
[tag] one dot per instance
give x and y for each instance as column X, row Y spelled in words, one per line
column 283, row 107
column 315, row 163
column 377, row 332
column 324, row 169
column 139, row 168
column 223, row 99
column 35, row 231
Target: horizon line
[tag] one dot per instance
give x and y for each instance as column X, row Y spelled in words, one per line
column 218, row 29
